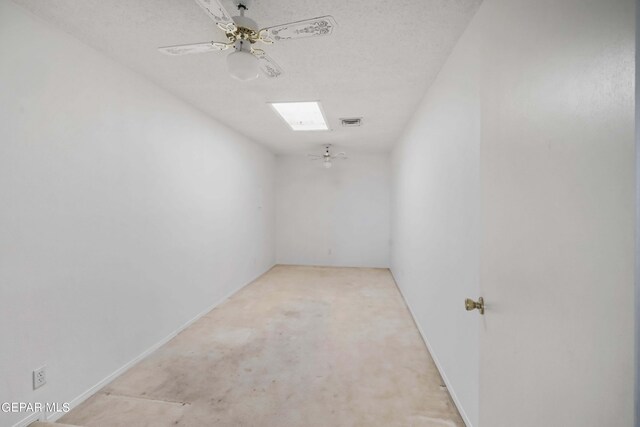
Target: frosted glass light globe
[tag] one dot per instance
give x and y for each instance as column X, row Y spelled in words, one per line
column 327, row 165
column 242, row 65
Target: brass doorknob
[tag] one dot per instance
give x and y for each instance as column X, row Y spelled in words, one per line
column 470, row 304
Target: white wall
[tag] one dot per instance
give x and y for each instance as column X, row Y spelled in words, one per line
column 533, row 112
column 435, row 223
column 637, row 270
column 124, row 212
column 337, row 216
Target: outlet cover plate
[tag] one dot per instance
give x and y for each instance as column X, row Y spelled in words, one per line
column 39, row 377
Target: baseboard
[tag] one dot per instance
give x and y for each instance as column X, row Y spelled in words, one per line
column 100, row 384
column 285, row 264
column 37, row 416
column 434, row 356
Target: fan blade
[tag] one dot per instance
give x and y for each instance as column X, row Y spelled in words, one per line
column 315, row 156
column 267, row 65
column 219, row 15
column 183, row 49
column 321, row 26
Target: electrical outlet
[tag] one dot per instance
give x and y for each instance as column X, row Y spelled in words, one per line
column 39, row 377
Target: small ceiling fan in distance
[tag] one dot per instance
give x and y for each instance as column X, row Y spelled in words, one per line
column 243, row 33
column 327, row 157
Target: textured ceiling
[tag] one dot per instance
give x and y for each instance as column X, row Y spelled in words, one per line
column 377, row 64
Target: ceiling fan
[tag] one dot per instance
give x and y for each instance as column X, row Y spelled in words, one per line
column 327, row 157
column 242, row 33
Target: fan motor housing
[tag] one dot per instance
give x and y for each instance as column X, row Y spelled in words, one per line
column 245, row 30
column 246, row 23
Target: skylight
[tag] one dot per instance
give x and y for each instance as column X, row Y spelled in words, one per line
column 301, row 115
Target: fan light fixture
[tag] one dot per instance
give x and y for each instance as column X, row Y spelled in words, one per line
column 301, row 115
column 242, row 64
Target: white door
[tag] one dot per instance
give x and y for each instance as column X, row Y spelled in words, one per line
column 557, row 244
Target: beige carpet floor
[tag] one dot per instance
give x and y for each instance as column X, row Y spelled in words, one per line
column 300, row 346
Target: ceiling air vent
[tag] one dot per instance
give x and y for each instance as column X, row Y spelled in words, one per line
column 352, row 122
